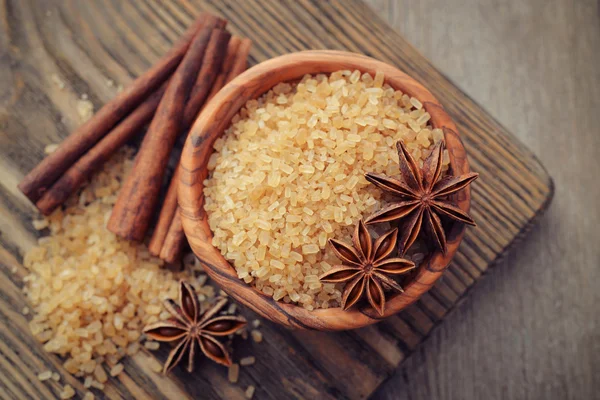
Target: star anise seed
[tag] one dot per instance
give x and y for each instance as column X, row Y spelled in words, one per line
column 192, row 329
column 423, row 197
column 366, row 266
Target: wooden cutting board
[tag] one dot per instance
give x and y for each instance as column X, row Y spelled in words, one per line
column 52, row 52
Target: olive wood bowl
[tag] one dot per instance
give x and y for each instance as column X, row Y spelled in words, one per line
column 214, row 120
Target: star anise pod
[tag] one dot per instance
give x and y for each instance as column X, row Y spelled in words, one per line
column 423, row 197
column 193, row 330
column 366, row 266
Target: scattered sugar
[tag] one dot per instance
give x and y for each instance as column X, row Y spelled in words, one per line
column 89, row 290
column 232, row 308
column 87, row 383
column 246, row 361
column 58, row 81
column 85, row 109
column 88, row 396
column 249, row 393
column 154, row 364
column 116, row 370
column 67, row 392
column 39, row 224
column 51, row 148
column 100, row 374
column 256, row 336
column 151, row 345
column 97, row 385
column 43, row 376
column 233, row 373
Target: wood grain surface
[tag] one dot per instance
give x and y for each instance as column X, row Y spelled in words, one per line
column 83, row 46
column 531, row 328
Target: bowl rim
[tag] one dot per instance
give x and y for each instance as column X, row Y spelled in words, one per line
column 211, row 124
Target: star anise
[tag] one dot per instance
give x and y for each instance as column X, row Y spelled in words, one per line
column 423, row 197
column 366, row 266
column 192, row 330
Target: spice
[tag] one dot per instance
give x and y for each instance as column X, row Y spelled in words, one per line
column 216, row 52
column 135, row 206
column 79, row 172
column 175, row 240
column 56, row 191
column 232, row 55
column 45, row 174
column 240, row 62
column 166, row 230
column 366, row 266
column 168, row 238
column 423, row 197
column 192, row 330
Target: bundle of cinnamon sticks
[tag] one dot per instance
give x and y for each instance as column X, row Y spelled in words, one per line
column 168, row 96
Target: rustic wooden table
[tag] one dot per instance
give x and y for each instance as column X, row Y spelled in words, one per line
column 531, row 328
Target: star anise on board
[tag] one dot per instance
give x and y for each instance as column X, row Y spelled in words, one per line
column 192, row 330
column 366, row 266
column 423, row 198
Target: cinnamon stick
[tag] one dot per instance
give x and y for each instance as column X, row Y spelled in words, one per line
column 91, row 161
column 232, row 48
column 79, row 172
column 134, row 207
column 166, row 216
column 174, row 239
column 212, row 63
column 174, row 242
column 241, row 60
column 37, row 181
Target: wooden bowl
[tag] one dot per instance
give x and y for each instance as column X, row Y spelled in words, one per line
column 211, row 124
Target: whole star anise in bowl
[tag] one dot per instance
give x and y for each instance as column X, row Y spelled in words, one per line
column 421, row 197
column 367, row 268
column 214, row 121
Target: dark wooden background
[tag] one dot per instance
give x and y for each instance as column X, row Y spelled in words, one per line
column 531, row 328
